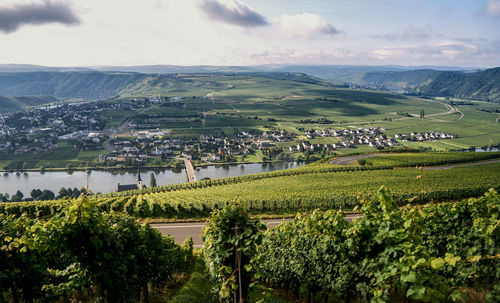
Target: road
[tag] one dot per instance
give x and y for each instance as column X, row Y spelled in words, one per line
column 190, row 170
column 181, row 231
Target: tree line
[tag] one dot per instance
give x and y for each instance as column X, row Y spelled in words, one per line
column 42, row 195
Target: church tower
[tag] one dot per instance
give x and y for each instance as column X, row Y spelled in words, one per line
column 140, row 185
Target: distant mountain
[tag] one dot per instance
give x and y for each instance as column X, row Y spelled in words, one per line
column 67, row 85
column 337, row 73
column 10, row 104
column 480, row 85
column 403, row 80
column 176, row 69
column 483, row 85
column 96, row 85
column 18, row 68
column 105, row 82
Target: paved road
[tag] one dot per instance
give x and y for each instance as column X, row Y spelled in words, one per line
column 190, row 170
column 181, row 231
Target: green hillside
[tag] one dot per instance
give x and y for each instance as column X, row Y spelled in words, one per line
column 399, row 80
column 482, row 85
column 105, row 85
column 9, row 104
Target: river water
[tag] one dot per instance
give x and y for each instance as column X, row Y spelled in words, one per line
column 106, row 181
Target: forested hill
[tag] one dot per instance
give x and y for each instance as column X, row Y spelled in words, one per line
column 85, row 85
column 482, row 85
column 10, row 104
column 106, row 85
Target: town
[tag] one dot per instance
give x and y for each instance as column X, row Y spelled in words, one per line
column 42, row 130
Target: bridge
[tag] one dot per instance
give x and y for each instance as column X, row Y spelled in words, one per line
column 190, row 170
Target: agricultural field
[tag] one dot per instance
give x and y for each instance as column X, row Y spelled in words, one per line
column 233, row 103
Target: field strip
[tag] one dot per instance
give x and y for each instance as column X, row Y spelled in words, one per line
column 349, row 159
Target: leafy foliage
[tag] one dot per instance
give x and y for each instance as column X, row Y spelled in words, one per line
column 83, row 252
column 422, row 253
column 229, row 233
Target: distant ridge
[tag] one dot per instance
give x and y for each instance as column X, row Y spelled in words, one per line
column 18, row 68
column 96, row 85
column 480, row 85
column 103, row 82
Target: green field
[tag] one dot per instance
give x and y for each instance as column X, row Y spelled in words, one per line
column 221, row 104
column 232, row 103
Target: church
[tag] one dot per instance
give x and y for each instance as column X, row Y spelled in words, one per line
column 138, row 185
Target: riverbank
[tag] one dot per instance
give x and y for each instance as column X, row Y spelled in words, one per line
column 146, row 167
column 106, row 180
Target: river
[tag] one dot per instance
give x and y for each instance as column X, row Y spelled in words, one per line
column 106, row 181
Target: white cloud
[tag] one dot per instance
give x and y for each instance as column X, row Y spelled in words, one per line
column 305, row 25
column 492, row 8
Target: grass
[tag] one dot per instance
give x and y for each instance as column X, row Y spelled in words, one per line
column 197, row 287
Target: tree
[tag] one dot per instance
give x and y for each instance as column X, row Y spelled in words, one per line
column 4, row 197
column 18, row 196
column 36, row 193
column 76, row 193
column 152, row 180
column 47, row 195
column 62, row 193
column 362, row 162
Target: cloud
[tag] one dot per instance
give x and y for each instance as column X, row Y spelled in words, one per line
column 15, row 16
column 412, row 33
column 305, row 25
column 449, row 50
column 492, row 8
column 232, row 12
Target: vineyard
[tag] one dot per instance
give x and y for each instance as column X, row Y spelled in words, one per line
column 315, row 187
column 429, row 158
column 82, row 254
column 432, row 253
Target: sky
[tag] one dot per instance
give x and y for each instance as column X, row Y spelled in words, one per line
column 250, row 32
